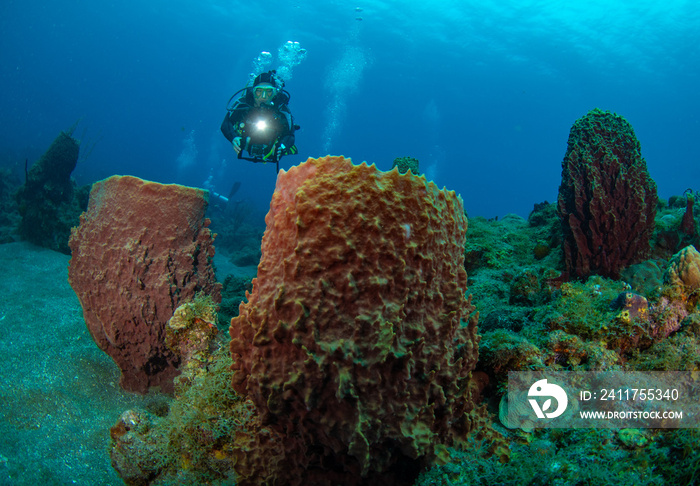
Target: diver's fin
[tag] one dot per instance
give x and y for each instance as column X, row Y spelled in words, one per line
column 234, row 190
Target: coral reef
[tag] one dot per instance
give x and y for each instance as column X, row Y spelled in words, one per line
column 497, row 245
column 50, row 202
column 596, row 324
column 645, row 278
column 140, row 251
column 357, row 342
column 526, row 288
column 405, row 164
column 503, row 350
column 193, row 441
column 607, row 201
column 533, row 319
column 677, row 228
column 568, row 457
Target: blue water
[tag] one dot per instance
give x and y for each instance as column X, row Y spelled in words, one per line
column 482, row 93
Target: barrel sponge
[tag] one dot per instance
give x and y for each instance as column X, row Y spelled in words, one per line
column 141, row 249
column 607, row 200
column 357, row 336
column 684, row 269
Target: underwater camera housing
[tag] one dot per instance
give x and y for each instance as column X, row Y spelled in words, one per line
column 261, row 133
column 261, row 130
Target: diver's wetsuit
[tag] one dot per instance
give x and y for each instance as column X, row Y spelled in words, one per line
column 243, row 114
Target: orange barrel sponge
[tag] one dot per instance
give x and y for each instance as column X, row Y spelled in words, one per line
column 141, row 249
column 357, row 342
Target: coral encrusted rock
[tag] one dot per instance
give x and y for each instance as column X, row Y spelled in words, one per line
column 357, row 343
column 191, row 334
column 683, row 270
column 141, row 249
column 607, row 200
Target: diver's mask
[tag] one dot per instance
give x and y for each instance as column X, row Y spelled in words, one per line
column 264, row 93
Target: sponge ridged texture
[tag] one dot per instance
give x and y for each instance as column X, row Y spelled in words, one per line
column 357, row 338
column 142, row 249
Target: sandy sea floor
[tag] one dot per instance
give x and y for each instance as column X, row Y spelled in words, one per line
column 59, row 394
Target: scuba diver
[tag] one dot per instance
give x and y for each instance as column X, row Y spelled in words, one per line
column 260, row 122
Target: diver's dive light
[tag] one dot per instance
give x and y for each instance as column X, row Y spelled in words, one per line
column 262, row 131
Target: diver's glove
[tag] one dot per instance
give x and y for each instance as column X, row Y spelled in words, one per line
column 236, row 142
